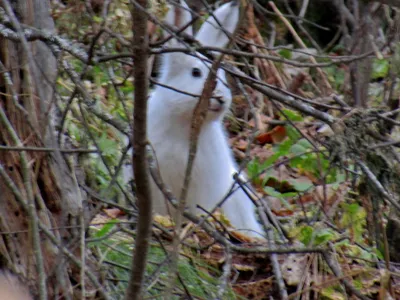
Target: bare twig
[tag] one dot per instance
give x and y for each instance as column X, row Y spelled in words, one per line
column 226, row 273
column 378, row 185
column 274, row 258
column 41, row 149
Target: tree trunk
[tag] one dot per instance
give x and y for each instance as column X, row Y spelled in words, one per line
column 44, row 178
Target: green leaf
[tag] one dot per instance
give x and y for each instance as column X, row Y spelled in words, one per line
column 293, row 115
column 297, row 149
column 380, row 68
column 107, row 146
column 254, row 168
column 285, row 53
column 282, row 196
column 305, row 144
column 106, row 228
column 324, row 236
column 332, row 294
column 336, row 75
column 354, row 220
column 97, row 19
column 284, row 147
column 292, row 133
column 306, row 234
column 272, row 192
column 301, row 186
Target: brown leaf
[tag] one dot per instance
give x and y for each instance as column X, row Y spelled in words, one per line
column 262, row 153
column 241, row 144
column 273, row 136
column 114, row 212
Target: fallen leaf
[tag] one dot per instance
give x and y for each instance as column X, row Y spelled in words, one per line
column 274, row 136
column 114, row 212
column 164, row 221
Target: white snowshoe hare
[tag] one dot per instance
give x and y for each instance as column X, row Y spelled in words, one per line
column 169, row 121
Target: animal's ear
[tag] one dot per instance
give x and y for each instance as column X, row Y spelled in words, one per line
column 211, row 34
column 179, row 16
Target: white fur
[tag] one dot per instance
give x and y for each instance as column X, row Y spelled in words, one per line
column 210, row 34
column 169, row 121
column 184, row 17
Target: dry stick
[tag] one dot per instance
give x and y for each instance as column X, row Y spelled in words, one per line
column 300, row 42
column 263, row 209
column 14, row 97
column 227, row 268
column 274, row 257
column 139, row 161
column 378, row 185
column 42, row 149
column 10, row 87
column 252, row 195
column 33, row 34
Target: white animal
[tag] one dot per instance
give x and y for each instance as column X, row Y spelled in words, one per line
column 169, row 121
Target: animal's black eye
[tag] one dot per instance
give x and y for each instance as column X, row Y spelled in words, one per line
column 196, row 72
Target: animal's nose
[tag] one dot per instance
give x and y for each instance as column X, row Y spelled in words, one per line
column 219, row 96
column 219, row 99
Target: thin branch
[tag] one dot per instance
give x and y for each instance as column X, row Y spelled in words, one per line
column 227, row 268
column 42, row 149
column 284, row 99
column 274, row 257
column 140, row 56
column 376, row 183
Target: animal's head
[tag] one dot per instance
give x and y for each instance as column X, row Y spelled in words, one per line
column 186, row 74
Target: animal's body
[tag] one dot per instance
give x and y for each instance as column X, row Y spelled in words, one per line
column 169, row 121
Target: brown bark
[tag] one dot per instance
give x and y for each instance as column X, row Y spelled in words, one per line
column 139, row 159
column 27, row 103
